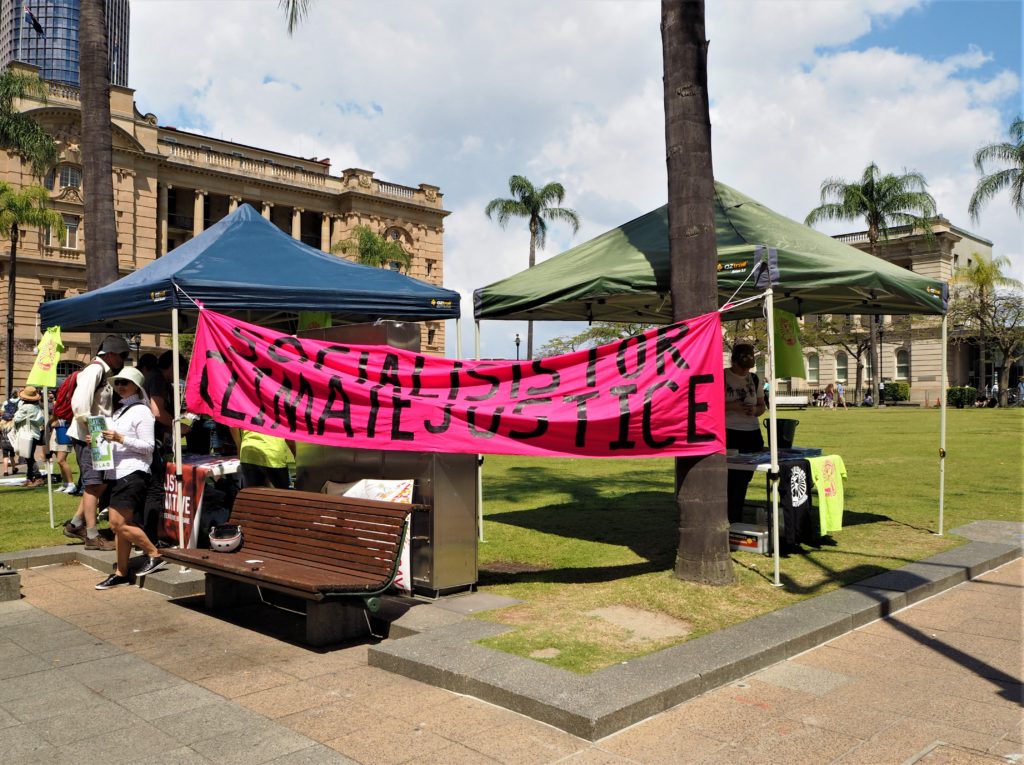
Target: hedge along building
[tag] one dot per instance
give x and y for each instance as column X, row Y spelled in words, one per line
column 170, row 185
column 910, row 348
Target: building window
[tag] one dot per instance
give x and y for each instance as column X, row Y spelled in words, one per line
column 66, row 175
column 902, row 364
column 49, row 295
column 842, row 367
column 66, row 368
column 70, row 240
column 812, row 368
column 869, row 364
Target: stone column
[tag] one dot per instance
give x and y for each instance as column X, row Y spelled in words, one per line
column 161, row 216
column 233, row 203
column 296, row 223
column 325, row 232
column 266, row 209
column 197, row 212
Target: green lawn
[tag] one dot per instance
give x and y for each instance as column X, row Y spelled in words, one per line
column 571, row 535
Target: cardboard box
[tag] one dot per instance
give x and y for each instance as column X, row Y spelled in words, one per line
column 745, row 536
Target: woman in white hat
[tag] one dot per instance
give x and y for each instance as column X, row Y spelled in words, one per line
column 131, row 434
column 28, row 426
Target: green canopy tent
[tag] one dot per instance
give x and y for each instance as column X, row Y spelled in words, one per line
column 623, row 275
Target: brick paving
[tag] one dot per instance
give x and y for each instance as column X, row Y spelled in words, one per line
column 126, row 676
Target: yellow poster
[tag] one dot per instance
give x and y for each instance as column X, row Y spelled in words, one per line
column 44, row 370
column 789, row 355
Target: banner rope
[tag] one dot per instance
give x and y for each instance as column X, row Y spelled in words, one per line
column 195, row 302
column 730, row 306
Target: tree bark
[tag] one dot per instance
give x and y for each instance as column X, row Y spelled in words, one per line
column 101, row 265
column 12, row 274
column 533, row 262
column 703, row 554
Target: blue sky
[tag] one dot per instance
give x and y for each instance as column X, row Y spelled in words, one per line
column 450, row 94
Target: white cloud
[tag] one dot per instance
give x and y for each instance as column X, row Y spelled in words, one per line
column 446, row 93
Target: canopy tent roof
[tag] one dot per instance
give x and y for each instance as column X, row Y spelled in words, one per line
column 246, row 265
column 623, row 274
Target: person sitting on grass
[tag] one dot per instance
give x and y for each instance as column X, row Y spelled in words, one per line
column 131, row 435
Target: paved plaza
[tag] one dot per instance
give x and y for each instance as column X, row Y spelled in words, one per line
column 127, row 675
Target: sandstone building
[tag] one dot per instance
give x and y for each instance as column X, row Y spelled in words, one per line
column 169, row 185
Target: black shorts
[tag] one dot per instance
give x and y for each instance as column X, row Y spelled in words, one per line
column 89, row 475
column 128, row 494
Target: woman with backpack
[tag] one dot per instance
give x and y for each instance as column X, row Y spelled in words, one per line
column 28, row 430
column 131, row 434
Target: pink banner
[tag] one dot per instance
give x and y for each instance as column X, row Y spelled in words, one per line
column 659, row 394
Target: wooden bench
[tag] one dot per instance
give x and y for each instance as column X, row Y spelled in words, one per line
column 335, row 553
column 790, row 402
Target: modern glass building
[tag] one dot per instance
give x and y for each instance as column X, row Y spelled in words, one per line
column 53, row 46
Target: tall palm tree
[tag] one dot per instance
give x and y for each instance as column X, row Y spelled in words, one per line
column 1012, row 176
column 19, row 133
column 97, row 147
column 700, row 485
column 537, row 206
column 27, row 207
column 981, row 279
column 295, row 11
column 372, row 249
column 883, row 201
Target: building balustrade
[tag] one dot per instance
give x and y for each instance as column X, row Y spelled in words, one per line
column 394, row 190
column 174, row 220
column 64, row 92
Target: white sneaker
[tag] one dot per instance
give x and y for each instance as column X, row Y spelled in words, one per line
column 60, row 489
column 68, row 488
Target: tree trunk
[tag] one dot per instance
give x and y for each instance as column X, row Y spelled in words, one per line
column 97, row 150
column 703, row 554
column 12, row 273
column 533, row 262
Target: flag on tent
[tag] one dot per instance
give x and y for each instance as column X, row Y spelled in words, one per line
column 44, row 370
column 789, row 355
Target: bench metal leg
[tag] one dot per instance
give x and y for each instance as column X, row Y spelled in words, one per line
column 224, row 593
column 335, row 621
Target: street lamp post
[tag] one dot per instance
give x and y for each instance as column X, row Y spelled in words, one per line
column 517, row 346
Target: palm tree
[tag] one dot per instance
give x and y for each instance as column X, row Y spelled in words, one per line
column 538, row 207
column 295, row 11
column 1012, row 176
column 372, row 249
column 19, row 133
column 981, row 279
column 700, row 484
column 27, row 207
column 883, row 201
column 97, row 147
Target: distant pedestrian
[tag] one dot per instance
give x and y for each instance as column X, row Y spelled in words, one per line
column 830, row 396
column 28, row 429
column 841, row 395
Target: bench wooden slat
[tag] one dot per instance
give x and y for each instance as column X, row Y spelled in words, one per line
column 309, row 543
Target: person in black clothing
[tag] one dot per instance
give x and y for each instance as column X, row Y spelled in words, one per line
column 744, row 403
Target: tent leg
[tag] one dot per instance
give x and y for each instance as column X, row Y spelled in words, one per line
column 176, row 397
column 943, row 382
column 773, row 431
column 458, row 338
column 46, row 451
column 479, row 458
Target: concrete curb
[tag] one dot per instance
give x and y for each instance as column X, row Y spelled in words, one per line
column 172, row 583
column 600, row 704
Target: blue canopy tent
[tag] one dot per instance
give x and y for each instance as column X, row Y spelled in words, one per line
column 246, row 266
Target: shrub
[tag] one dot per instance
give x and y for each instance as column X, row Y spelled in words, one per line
column 897, row 391
column 961, row 396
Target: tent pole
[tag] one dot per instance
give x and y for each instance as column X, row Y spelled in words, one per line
column 942, row 422
column 458, row 337
column 46, row 450
column 773, row 431
column 479, row 457
column 176, row 396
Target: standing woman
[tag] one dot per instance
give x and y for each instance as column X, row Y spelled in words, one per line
column 131, row 434
column 28, row 425
column 744, row 403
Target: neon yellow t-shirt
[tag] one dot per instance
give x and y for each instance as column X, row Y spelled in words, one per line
column 828, row 474
column 265, row 451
